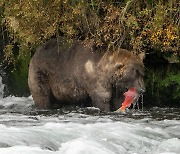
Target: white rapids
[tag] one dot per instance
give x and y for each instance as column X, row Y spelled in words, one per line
column 24, row 130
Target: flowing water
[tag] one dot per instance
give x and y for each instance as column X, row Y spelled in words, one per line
column 24, row 130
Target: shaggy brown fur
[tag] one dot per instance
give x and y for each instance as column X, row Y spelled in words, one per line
column 75, row 74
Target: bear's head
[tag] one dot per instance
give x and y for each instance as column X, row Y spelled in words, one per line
column 125, row 71
column 129, row 71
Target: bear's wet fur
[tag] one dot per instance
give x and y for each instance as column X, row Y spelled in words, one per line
column 73, row 74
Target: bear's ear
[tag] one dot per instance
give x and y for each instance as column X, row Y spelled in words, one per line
column 118, row 65
column 141, row 55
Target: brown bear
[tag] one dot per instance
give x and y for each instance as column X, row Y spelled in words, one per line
column 74, row 74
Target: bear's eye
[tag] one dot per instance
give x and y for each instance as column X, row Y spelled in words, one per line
column 140, row 73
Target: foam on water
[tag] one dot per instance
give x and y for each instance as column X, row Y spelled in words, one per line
column 25, row 130
column 96, row 138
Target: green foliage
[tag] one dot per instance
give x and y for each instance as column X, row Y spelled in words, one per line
column 163, row 87
column 172, row 80
column 29, row 23
column 141, row 25
column 18, row 77
column 155, row 27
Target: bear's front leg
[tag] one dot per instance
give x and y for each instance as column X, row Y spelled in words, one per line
column 101, row 100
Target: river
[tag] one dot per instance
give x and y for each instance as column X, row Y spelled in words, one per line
column 24, row 130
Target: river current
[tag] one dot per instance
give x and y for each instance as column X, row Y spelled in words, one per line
column 24, row 130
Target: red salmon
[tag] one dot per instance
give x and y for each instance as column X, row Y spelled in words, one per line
column 130, row 96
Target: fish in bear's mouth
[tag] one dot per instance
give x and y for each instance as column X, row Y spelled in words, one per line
column 131, row 96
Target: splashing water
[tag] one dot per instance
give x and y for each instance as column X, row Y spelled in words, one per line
column 26, row 130
column 1, row 88
column 138, row 102
column 142, row 101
